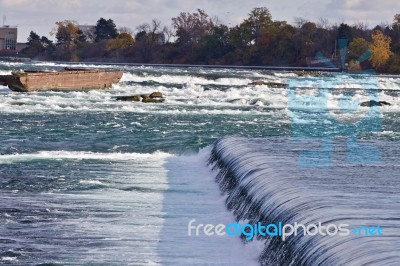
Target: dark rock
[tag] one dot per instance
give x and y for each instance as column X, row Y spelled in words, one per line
column 269, row 84
column 385, row 103
column 133, row 98
column 309, row 74
column 156, row 94
column 155, row 97
column 373, row 103
column 152, row 100
column 257, row 83
column 18, row 103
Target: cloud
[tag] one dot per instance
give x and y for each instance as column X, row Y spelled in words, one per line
column 15, row 3
column 373, row 12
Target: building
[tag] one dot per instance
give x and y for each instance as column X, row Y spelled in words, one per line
column 8, row 38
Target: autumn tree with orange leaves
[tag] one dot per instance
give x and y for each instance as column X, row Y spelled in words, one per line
column 380, row 48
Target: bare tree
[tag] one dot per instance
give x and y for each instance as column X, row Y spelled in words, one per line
column 155, row 26
column 148, row 37
column 216, row 20
column 125, row 30
column 363, row 26
column 190, row 27
column 168, row 34
column 323, row 23
column 299, row 22
column 143, row 27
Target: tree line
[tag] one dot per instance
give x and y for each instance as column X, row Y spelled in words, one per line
column 197, row 38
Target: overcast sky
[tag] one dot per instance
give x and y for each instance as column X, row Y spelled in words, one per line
column 40, row 15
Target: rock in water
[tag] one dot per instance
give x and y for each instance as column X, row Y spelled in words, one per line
column 156, row 94
column 309, row 74
column 373, row 103
column 269, row 84
column 152, row 100
column 258, row 83
column 134, row 98
column 18, row 103
column 155, row 97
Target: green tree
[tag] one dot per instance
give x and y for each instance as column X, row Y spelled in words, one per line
column 252, row 37
column 68, row 36
column 33, row 37
column 34, row 46
column 67, row 32
column 396, row 29
column 396, row 23
column 214, row 45
column 46, row 42
column 105, row 29
column 358, row 47
column 282, row 48
column 393, row 64
column 117, row 45
column 240, row 36
column 38, row 47
column 344, row 32
column 258, row 21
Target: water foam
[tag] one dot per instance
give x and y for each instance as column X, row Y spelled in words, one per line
column 80, row 155
column 204, row 88
column 192, row 195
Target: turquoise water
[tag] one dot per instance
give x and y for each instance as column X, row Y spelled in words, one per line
column 88, row 179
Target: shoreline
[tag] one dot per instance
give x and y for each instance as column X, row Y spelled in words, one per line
column 281, row 68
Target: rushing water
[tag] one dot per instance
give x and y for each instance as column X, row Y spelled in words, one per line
column 86, row 179
column 263, row 181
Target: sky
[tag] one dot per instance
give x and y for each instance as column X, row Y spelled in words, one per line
column 41, row 15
